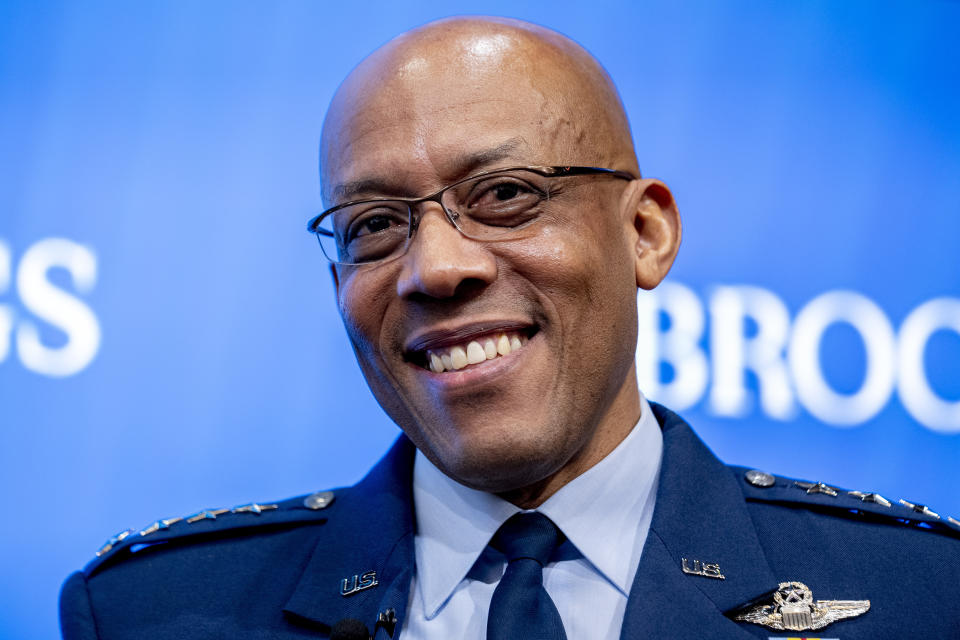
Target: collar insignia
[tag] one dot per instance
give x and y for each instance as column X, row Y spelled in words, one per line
column 705, row 569
column 793, row 609
column 360, row 583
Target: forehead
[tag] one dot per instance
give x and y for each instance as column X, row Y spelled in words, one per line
column 424, row 118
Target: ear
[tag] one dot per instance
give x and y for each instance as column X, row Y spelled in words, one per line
column 654, row 231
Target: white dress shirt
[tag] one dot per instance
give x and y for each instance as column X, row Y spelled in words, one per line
column 605, row 514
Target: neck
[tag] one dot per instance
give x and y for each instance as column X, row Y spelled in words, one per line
column 614, row 426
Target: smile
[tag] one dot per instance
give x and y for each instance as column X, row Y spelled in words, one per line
column 474, row 351
column 468, row 347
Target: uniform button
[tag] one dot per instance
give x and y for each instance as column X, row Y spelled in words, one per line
column 759, row 478
column 318, row 500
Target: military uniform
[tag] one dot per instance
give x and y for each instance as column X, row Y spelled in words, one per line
column 731, row 553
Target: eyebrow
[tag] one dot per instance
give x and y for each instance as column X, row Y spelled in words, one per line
column 465, row 163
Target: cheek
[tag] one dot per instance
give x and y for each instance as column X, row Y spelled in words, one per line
column 580, row 262
column 361, row 301
column 586, row 279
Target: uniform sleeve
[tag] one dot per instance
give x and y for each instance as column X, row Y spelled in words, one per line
column 76, row 613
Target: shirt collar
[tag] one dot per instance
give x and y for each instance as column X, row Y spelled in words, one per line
column 605, row 512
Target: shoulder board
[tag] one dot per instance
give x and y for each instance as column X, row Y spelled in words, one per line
column 760, row 486
column 314, row 507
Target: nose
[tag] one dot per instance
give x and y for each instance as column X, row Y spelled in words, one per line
column 441, row 260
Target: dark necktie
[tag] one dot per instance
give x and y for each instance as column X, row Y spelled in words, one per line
column 521, row 609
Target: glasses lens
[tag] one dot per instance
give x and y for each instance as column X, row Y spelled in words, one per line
column 364, row 232
column 492, row 205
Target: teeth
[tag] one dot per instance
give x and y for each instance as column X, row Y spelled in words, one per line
column 475, row 352
column 503, row 345
column 459, row 357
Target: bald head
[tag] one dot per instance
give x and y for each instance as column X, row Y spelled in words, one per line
column 472, row 84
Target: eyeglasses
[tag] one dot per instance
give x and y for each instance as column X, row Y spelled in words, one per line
column 488, row 206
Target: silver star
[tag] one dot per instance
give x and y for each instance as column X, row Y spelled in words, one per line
column 792, row 594
column 870, row 497
column 817, row 487
column 920, row 508
column 253, row 507
column 113, row 541
column 206, row 514
column 158, row 525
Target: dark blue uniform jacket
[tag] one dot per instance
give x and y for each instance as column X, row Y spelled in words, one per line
column 281, row 573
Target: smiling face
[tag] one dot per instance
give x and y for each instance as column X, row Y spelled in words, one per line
column 508, row 363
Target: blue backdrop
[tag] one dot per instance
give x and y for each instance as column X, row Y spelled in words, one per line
column 168, row 337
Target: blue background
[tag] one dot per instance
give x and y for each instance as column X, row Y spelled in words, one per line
column 812, row 146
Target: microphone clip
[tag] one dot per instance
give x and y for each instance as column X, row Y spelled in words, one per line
column 387, row 620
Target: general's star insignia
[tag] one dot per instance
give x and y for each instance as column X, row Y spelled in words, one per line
column 206, row 514
column 158, row 525
column 253, row 507
column 920, row 508
column 870, row 497
column 817, row 487
column 113, row 541
column 793, row 609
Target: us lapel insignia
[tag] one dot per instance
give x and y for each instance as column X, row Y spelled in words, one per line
column 793, row 609
column 705, row 569
column 359, row 583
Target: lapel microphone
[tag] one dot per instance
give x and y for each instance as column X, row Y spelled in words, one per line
column 353, row 629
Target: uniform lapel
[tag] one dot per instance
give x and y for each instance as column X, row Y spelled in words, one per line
column 700, row 515
column 370, row 529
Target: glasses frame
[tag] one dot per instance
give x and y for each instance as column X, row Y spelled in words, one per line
column 313, row 226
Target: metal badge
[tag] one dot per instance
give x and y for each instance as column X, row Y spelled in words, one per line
column 360, row 583
column 793, row 609
column 705, row 569
column 319, row 500
column 158, row 525
column 920, row 508
column 817, row 487
column 206, row 514
column 113, row 541
column 388, row 620
column 253, row 507
column 760, row 479
column 876, row 498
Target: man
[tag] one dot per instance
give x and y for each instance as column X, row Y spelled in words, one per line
column 487, row 230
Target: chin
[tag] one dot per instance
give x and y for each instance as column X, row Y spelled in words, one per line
column 502, row 460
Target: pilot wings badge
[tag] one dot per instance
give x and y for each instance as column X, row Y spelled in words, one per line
column 793, row 609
